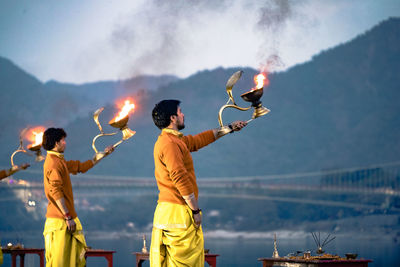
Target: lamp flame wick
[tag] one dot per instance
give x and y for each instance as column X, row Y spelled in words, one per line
column 259, row 80
column 128, row 106
column 38, row 138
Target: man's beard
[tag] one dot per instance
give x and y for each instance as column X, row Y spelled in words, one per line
column 181, row 126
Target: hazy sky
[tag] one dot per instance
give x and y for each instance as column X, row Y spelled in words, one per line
column 89, row 40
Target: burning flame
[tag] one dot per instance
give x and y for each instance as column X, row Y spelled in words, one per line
column 126, row 109
column 260, row 80
column 36, row 136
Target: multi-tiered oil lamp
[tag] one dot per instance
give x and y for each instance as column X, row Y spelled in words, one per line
column 120, row 121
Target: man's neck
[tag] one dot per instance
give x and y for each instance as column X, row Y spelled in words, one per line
column 56, row 153
column 172, row 131
column 173, row 127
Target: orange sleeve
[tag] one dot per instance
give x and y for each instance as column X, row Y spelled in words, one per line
column 198, row 141
column 173, row 160
column 75, row 166
column 55, row 184
column 3, row 174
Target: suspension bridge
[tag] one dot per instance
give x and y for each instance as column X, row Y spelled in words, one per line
column 378, row 185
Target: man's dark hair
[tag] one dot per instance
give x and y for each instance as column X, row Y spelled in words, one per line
column 51, row 136
column 163, row 111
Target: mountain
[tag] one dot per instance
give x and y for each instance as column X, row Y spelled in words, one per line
column 338, row 110
column 25, row 101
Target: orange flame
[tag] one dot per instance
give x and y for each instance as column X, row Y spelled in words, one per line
column 35, row 136
column 260, row 80
column 126, row 109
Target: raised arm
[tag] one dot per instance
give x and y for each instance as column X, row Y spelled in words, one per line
column 75, row 166
column 195, row 142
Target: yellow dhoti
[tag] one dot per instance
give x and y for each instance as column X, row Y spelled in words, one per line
column 64, row 249
column 175, row 240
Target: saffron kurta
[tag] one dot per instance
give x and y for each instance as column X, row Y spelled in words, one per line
column 57, row 182
column 176, row 241
column 173, row 164
column 63, row 249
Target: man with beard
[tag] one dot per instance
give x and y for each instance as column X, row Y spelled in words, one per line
column 177, row 237
column 64, row 240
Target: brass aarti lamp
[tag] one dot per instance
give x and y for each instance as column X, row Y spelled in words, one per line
column 252, row 96
column 34, row 147
column 120, row 122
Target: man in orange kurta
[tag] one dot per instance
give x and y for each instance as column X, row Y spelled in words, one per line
column 64, row 241
column 177, row 237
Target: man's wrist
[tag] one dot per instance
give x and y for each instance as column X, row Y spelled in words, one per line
column 223, row 130
column 196, row 211
column 67, row 216
column 230, row 127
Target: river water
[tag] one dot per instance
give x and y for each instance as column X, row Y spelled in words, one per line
column 234, row 249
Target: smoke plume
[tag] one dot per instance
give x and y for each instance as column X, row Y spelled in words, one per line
column 274, row 16
column 168, row 30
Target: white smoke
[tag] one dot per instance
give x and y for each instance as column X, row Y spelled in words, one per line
column 164, row 36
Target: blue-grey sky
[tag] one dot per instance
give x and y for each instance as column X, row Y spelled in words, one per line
column 80, row 41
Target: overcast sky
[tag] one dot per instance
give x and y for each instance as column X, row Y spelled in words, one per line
column 90, row 40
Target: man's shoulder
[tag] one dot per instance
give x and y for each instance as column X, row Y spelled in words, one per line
column 167, row 140
column 52, row 162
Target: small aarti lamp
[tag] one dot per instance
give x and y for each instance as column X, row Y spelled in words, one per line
column 275, row 254
column 144, row 249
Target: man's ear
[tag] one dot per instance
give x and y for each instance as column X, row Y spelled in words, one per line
column 173, row 118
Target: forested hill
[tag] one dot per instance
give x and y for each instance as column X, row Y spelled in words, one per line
column 338, row 110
